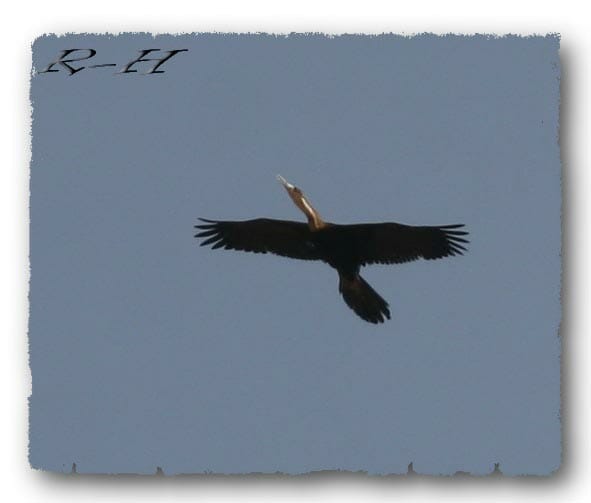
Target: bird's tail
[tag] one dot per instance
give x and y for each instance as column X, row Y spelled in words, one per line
column 363, row 299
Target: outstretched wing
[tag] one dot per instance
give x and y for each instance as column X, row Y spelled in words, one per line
column 263, row 235
column 388, row 243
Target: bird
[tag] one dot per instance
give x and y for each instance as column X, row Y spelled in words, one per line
column 345, row 248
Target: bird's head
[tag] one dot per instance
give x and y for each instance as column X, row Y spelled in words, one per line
column 294, row 192
column 297, row 196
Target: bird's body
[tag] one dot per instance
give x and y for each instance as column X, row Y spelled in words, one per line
column 345, row 248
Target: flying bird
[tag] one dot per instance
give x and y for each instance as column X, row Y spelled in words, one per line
column 345, row 248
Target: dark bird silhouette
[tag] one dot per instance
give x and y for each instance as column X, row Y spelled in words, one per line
column 346, row 248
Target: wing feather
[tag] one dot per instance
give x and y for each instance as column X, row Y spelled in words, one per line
column 262, row 235
column 390, row 243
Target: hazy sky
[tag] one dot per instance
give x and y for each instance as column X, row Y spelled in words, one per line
column 147, row 350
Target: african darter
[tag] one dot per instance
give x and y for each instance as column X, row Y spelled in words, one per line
column 344, row 247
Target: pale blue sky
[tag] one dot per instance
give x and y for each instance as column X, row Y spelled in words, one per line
column 147, row 350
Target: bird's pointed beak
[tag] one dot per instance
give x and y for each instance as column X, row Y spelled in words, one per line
column 285, row 183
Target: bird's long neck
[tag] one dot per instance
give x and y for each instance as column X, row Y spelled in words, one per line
column 314, row 220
